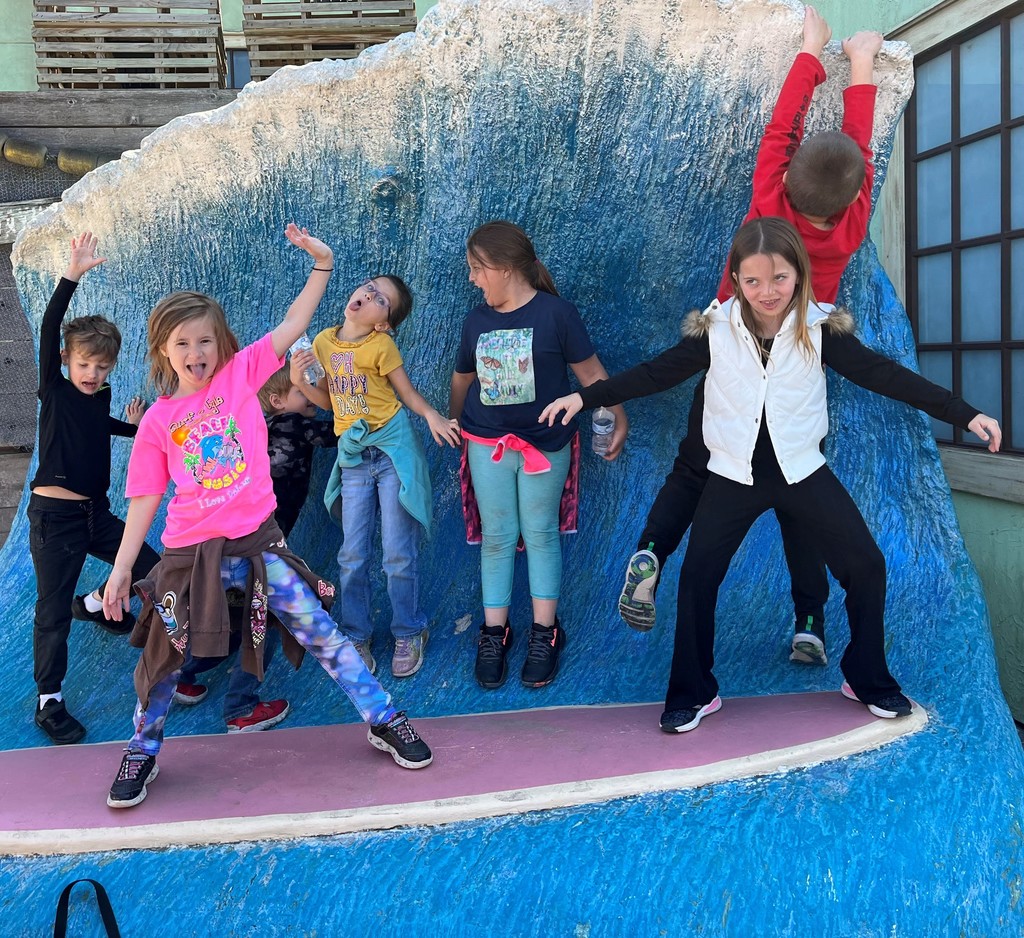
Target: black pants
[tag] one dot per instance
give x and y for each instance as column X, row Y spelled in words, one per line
column 822, row 510
column 62, row 533
column 672, row 514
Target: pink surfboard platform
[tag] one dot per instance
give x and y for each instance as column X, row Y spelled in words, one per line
column 310, row 781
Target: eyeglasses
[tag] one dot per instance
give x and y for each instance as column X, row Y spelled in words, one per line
column 378, row 296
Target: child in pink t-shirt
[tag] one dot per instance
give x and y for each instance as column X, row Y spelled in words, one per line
column 207, row 435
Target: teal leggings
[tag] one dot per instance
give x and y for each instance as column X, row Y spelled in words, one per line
column 513, row 503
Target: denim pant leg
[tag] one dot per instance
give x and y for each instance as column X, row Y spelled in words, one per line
column 243, row 693
column 400, row 540
column 358, row 521
column 496, row 496
column 539, row 497
column 299, row 609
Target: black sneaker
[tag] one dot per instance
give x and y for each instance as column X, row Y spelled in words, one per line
column 78, row 611
column 54, row 720
column 398, row 737
column 888, row 707
column 541, row 665
column 636, row 602
column 682, row 721
column 491, row 669
column 136, row 772
column 808, row 645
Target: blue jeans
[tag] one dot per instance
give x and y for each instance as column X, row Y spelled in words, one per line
column 243, row 693
column 297, row 606
column 375, row 482
column 513, row 503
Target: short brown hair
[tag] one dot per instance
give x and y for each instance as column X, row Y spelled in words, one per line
column 279, row 383
column 175, row 310
column 825, row 175
column 94, row 336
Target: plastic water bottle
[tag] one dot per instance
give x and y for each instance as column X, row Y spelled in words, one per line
column 602, row 426
column 315, row 371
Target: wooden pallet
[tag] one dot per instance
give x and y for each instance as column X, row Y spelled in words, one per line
column 294, row 32
column 135, row 44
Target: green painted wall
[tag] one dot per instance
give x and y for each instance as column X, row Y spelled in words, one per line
column 17, row 54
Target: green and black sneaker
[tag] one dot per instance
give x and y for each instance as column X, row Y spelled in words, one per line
column 808, row 646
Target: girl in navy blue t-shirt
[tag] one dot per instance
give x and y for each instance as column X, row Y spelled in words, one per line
column 513, row 357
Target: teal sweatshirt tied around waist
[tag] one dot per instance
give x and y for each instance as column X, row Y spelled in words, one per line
column 399, row 440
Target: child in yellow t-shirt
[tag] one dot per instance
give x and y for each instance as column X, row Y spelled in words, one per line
column 380, row 463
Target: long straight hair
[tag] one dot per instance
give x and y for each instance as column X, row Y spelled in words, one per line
column 502, row 245
column 769, row 236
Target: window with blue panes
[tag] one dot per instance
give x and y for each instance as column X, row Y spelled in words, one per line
column 965, row 220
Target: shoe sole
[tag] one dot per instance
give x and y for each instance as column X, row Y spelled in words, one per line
column 558, row 664
column 419, row 662
column 189, row 701
column 704, row 711
column 494, row 685
column 69, row 741
column 380, row 744
column 264, row 725
column 636, row 601
column 111, row 803
column 807, row 648
column 848, row 693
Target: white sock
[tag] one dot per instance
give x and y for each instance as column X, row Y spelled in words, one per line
column 92, row 603
column 45, row 697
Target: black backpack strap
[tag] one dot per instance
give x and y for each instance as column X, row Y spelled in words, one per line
column 60, row 922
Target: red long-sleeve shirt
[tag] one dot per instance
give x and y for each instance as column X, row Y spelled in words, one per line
column 830, row 251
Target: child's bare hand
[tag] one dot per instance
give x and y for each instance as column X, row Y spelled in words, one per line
column 444, row 430
column 115, row 594
column 817, row 32
column 83, row 256
column 322, row 255
column 572, row 405
column 134, row 410
column 618, row 439
column 300, row 360
column 864, row 45
column 988, row 429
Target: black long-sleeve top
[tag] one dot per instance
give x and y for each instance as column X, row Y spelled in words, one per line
column 842, row 352
column 74, row 428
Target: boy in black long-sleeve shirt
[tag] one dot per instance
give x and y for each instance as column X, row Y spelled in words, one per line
column 69, row 514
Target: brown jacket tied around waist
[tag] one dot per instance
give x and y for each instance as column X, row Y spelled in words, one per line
column 184, row 604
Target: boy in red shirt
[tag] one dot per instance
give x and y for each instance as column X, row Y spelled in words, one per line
column 823, row 187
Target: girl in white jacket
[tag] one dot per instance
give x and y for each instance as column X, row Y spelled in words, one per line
column 765, row 415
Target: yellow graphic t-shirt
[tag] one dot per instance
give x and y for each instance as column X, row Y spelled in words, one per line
column 357, row 377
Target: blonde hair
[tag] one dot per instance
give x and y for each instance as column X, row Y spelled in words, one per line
column 775, row 236
column 279, row 383
column 175, row 310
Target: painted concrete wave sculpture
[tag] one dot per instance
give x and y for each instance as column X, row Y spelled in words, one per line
column 622, row 136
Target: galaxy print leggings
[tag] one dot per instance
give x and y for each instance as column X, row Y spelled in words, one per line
column 295, row 604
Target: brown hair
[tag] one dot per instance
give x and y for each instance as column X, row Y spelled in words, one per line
column 775, row 236
column 401, row 310
column 825, row 175
column 501, row 245
column 175, row 310
column 279, row 383
column 94, row 336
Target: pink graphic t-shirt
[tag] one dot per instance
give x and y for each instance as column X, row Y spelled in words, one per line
column 213, row 446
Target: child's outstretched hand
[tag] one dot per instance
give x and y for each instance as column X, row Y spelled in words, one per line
column 817, row 32
column 572, row 405
column 865, row 44
column 83, row 256
column 443, row 430
column 322, row 255
column 134, row 410
column 988, row 430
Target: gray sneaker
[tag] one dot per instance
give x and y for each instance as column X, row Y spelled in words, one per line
column 636, row 602
column 408, row 657
column 364, row 652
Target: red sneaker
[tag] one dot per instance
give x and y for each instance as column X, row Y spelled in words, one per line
column 265, row 714
column 189, row 694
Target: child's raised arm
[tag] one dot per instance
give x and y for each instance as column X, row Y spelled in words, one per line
column 83, row 256
column 817, row 32
column 296, row 321
column 861, row 49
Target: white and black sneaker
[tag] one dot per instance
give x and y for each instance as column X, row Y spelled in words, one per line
column 808, row 645
column 398, row 737
column 136, row 772
column 888, row 707
column 636, row 602
column 682, row 721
